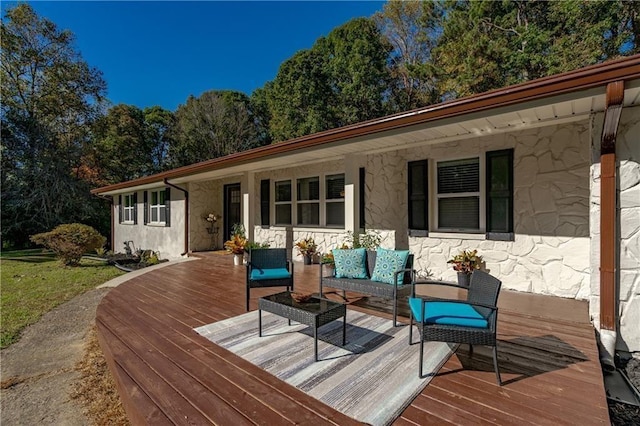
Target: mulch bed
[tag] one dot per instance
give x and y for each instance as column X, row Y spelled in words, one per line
column 627, row 414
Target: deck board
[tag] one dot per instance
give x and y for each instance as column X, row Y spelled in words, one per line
column 166, row 373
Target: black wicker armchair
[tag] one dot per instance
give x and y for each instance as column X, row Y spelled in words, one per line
column 268, row 267
column 471, row 321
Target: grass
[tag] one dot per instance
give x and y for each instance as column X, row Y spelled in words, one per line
column 34, row 282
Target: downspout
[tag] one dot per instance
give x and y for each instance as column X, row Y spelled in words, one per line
column 608, row 225
column 186, row 214
column 111, row 214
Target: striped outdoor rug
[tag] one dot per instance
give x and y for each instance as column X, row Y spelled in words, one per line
column 373, row 378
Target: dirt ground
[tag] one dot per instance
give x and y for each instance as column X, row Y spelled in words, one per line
column 56, row 374
column 41, row 371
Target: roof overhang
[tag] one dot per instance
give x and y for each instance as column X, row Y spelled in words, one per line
column 562, row 98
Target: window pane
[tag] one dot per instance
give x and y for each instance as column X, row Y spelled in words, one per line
column 163, row 214
column 154, row 198
column 499, row 167
column 335, row 187
column 162, row 197
column 283, row 190
column 459, row 213
column 309, row 189
column 459, row 176
column 283, row 214
column 309, row 214
column 335, row 214
column 154, row 214
column 418, row 179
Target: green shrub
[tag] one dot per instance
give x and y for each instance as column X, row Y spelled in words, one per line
column 70, row 241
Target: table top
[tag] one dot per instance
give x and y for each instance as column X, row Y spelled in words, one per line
column 314, row 305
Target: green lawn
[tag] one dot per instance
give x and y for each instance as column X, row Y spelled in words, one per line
column 33, row 283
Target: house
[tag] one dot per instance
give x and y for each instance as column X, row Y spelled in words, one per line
column 543, row 178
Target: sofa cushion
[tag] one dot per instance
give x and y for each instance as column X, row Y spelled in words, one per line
column 447, row 313
column 387, row 263
column 350, row 263
column 269, row 274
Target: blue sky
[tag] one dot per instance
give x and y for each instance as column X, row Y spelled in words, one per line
column 159, row 53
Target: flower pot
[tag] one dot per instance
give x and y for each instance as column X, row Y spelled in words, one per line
column 238, row 259
column 307, row 259
column 464, row 279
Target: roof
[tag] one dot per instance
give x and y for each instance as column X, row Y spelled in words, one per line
column 567, row 96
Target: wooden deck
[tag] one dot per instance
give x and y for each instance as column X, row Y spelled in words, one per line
column 168, row 374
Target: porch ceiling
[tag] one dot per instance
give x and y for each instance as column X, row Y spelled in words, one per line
column 540, row 112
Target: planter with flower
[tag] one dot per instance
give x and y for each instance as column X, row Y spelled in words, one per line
column 213, row 228
column 464, row 263
column 328, row 262
column 307, row 249
column 236, row 244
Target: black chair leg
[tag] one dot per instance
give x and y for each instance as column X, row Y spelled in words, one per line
column 421, row 355
column 470, row 349
column 410, row 328
column 495, row 365
column 247, row 299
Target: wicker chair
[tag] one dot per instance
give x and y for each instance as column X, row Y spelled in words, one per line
column 472, row 321
column 269, row 267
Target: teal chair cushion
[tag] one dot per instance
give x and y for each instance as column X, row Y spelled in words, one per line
column 388, row 262
column 269, row 274
column 447, row 313
column 350, row 263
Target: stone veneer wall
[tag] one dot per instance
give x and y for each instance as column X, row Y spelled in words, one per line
column 550, row 254
column 205, row 197
column 628, row 159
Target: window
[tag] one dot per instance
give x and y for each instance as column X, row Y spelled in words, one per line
column 157, row 207
column 308, row 201
column 129, row 208
column 334, row 199
column 468, row 195
column 283, row 202
column 458, row 195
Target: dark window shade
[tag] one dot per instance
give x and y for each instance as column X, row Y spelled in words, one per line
column 283, row 214
column 135, row 208
column 283, row 191
column 362, row 195
column 146, row 207
column 265, row 186
column 459, row 213
column 309, row 214
column 459, row 176
column 167, row 209
column 120, row 209
column 499, row 194
column 418, row 195
column 335, row 214
column 335, row 187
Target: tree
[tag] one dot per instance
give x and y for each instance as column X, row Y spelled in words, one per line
column 491, row 44
column 342, row 79
column 50, row 97
column 216, row 124
column 130, row 143
column 413, row 29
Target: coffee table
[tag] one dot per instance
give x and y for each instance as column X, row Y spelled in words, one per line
column 315, row 313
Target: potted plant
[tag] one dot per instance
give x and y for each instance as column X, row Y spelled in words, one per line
column 236, row 244
column 307, row 248
column 464, row 264
column 329, row 262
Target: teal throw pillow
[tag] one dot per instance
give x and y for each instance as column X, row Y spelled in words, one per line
column 350, row 263
column 387, row 263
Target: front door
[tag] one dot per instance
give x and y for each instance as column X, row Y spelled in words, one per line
column 232, row 199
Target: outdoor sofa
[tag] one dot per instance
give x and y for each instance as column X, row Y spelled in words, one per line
column 367, row 286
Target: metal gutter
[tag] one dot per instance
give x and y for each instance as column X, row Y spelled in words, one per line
column 585, row 78
column 186, row 215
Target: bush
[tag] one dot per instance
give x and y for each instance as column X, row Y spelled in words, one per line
column 70, row 241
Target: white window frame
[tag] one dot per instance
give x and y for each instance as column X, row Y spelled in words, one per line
column 157, row 207
column 317, row 202
column 290, row 203
column 128, row 208
column 322, row 201
column 436, row 197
